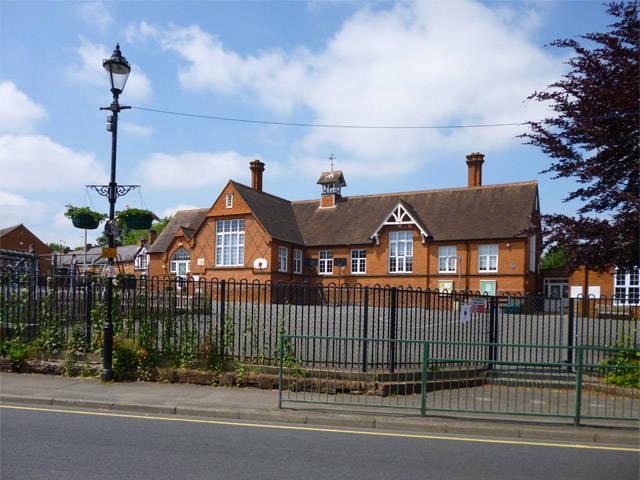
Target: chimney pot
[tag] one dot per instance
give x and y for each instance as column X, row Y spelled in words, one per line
column 257, row 167
column 475, row 161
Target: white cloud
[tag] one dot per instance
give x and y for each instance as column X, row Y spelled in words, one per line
column 171, row 211
column 192, row 170
column 90, row 72
column 35, row 162
column 18, row 113
column 96, row 14
column 413, row 64
column 135, row 130
column 16, row 209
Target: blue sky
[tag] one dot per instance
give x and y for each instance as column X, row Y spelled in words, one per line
column 413, row 63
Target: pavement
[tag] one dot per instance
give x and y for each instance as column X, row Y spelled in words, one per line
column 256, row 405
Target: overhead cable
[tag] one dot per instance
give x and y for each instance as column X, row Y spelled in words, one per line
column 385, row 127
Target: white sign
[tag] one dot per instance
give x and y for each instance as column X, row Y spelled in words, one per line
column 576, row 291
column 594, row 291
column 465, row 314
column 260, row 264
column 201, row 261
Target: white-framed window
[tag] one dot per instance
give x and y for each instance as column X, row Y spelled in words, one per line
column 488, row 258
column 230, row 243
column 229, row 200
column 447, row 259
column 283, row 259
column 141, row 262
column 627, row 288
column 325, row 262
column 297, row 261
column 181, row 263
column 401, row 251
column 358, row 261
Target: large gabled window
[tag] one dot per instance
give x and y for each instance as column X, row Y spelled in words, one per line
column 230, row 243
column 401, row 251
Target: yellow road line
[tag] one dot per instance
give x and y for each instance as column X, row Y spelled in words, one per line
column 327, row 430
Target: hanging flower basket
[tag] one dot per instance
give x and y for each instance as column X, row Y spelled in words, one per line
column 85, row 221
column 84, row 217
column 136, row 219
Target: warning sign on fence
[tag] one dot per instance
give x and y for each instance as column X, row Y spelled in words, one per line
column 477, row 305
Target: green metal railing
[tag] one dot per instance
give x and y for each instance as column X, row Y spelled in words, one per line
column 453, row 382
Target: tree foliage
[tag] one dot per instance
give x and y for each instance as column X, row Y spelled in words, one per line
column 554, row 258
column 130, row 237
column 593, row 138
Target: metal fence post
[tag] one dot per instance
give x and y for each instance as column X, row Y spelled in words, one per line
column 87, row 298
column 423, row 388
column 365, row 333
column 493, row 330
column 576, row 419
column 392, row 329
column 570, row 340
column 222, row 313
column 280, row 355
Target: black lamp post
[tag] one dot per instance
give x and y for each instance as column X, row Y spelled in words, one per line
column 118, row 70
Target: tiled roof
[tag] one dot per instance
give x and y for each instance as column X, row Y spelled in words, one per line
column 485, row 212
column 188, row 220
column 126, row 253
column 4, row 231
column 274, row 213
column 495, row 211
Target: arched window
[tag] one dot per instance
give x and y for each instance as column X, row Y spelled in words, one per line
column 181, row 263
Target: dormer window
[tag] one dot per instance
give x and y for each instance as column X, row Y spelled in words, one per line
column 229, row 199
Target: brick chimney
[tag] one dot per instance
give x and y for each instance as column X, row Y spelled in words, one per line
column 257, row 167
column 475, row 161
column 153, row 234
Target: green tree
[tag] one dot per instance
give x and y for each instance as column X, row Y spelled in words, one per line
column 594, row 138
column 56, row 247
column 554, row 258
column 130, row 237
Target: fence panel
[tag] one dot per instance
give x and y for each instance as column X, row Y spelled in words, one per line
column 191, row 320
column 451, row 383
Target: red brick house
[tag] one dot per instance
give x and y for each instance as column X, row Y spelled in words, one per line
column 472, row 238
column 20, row 239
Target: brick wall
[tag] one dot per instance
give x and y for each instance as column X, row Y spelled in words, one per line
column 21, row 238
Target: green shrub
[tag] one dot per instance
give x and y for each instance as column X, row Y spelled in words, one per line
column 18, row 353
column 626, row 357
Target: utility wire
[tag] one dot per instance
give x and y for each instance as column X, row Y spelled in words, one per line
column 319, row 125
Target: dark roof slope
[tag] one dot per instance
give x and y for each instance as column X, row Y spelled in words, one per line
column 126, row 253
column 274, row 213
column 188, row 220
column 4, row 231
column 495, row 211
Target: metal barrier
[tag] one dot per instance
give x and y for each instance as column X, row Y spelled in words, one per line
column 453, row 382
column 185, row 320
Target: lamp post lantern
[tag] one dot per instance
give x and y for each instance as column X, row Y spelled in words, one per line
column 118, row 70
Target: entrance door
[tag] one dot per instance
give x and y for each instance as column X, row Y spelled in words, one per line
column 557, row 292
